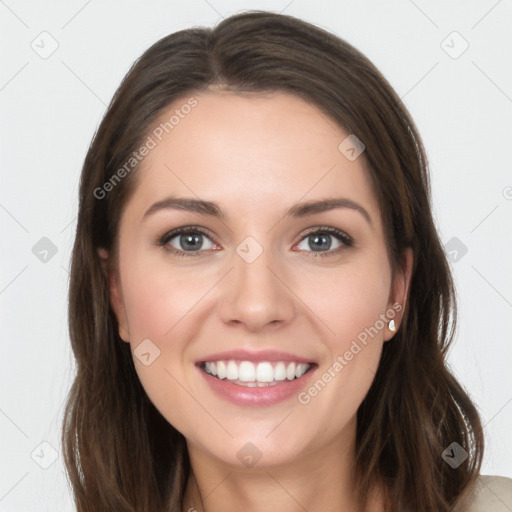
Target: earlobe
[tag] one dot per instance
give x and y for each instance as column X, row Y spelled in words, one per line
column 399, row 293
column 118, row 306
column 115, row 296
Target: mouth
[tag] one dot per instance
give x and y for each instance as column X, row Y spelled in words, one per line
column 254, row 374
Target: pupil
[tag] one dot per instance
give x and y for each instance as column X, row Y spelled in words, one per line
column 321, row 238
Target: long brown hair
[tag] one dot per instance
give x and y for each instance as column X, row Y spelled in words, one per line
column 121, row 454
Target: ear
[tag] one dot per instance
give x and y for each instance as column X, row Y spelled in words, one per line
column 400, row 291
column 115, row 295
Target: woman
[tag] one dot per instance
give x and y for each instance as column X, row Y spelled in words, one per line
column 260, row 306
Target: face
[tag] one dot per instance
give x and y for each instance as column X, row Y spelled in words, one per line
column 255, row 279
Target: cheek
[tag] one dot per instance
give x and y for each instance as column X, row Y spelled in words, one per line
column 354, row 311
column 159, row 307
column 158, row 299
column 350, row 299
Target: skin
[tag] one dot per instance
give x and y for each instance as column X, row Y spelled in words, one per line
column 257, row 155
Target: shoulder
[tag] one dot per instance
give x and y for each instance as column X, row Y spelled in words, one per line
column 491, row 494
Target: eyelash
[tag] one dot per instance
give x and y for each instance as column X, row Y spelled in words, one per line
column 340, row 235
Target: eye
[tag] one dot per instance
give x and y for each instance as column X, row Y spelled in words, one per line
column 189, row 240
column 320, row 240
column 185, row 241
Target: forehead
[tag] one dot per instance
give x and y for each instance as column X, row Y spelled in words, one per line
column 249, row 151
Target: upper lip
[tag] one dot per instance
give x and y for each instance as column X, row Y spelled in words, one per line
column 259, row 356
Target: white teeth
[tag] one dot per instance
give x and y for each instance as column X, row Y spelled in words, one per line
column 280, row 371
column 221, row 369
column 246, row 371
column 265, row 372
column 232, row 371
column 259, row 374
column 301, row 370
column 290, row 371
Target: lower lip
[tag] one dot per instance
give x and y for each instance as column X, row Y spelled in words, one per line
column 256, row 397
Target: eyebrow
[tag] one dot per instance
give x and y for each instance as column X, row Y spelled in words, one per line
column 296, row 211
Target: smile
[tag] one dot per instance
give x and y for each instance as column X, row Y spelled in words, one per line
column 250, row 374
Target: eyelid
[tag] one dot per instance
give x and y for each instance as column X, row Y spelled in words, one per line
column 169, row 235
column 346, row 240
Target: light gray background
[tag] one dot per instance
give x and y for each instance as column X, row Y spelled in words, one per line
column 51, row 107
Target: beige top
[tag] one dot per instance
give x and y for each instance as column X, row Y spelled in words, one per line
column 492, row 494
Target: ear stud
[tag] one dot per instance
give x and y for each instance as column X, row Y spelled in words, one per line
column 392, row 326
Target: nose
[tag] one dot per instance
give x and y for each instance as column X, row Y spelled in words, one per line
column 256, row 295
